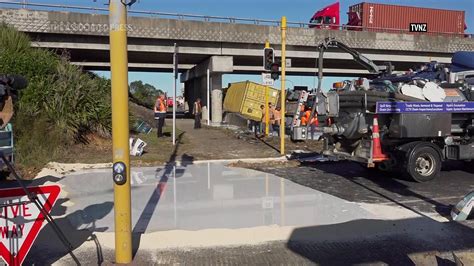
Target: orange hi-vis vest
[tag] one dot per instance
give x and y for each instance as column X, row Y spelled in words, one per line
column 306, row 116
column 160, row 106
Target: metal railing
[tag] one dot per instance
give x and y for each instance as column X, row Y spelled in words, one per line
column 146, row 13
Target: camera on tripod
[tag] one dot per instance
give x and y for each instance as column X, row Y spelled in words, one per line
column 9, row 87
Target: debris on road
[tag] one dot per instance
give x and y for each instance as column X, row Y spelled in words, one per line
column 137, row 146
column 141, row 126
column 463, row 209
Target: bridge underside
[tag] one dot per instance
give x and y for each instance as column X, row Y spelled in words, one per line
column 92, row 52
column 152, row 55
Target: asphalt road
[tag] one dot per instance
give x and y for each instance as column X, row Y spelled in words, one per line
column 353, row 182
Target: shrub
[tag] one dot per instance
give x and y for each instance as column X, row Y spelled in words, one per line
column 60, row 106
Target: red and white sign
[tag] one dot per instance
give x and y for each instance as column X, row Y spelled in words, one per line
column 21, row 221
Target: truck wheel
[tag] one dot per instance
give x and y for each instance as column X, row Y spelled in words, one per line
column 424, row 164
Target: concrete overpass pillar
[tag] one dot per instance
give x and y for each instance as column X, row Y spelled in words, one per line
column 216, row 98
column 201, row 90
column 195, row 81
column 190, row 94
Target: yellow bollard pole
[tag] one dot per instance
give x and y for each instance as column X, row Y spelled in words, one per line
column 120, row 131
column 267, row 113
column 267, row 117
column 283, row 88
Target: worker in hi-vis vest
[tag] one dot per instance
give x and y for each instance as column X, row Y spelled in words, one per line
column 160, row 114
column 313, row 123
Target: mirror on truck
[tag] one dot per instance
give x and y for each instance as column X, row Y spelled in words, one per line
column 333, row 104
column 321, row 103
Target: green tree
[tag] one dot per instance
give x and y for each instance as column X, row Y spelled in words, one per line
column 144, row 94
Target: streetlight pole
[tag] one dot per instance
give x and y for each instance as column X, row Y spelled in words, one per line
column 208, row 106
column 175, row 76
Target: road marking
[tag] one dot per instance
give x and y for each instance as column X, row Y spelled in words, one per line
column 419, row 200
column 247, row 160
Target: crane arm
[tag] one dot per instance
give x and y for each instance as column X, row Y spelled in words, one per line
column 358, row 57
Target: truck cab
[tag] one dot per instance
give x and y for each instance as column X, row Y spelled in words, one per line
column 326, row 18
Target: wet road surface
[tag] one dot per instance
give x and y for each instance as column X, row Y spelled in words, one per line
column 338, row 214
column 353, row 182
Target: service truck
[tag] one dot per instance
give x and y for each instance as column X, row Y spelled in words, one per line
column 409, row 122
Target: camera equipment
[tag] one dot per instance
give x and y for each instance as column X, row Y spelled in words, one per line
column 9, row 86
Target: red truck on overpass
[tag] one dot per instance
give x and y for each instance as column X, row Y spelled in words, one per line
column 392, row 18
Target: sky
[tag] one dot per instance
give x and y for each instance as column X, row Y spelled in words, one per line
column 294, row 10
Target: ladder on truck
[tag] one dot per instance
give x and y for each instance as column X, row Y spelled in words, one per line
column 302, row 99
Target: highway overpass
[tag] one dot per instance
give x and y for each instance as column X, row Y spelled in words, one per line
column 221, row 47
column 85, row 36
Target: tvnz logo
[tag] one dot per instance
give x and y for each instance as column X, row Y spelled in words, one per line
column 418, row 27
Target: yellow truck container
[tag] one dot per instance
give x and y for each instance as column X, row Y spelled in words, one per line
column 246, row 98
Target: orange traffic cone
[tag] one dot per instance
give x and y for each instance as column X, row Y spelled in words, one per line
column 377, row 155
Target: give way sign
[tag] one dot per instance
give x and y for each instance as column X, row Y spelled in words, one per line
column 21, row 220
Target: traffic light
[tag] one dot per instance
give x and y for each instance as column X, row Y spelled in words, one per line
column 268, row 58
column 275, row 70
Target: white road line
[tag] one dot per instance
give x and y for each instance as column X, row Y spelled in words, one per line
column 420, row 200
column 248, row 160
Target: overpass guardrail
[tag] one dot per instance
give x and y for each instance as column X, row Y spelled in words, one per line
column 205, row 18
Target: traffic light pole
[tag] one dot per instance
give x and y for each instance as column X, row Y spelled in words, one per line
column 120, row 131
column 283, row 87
column 267, row 117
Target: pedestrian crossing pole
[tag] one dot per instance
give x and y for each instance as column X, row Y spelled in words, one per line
column 120, row 130
column 283, row 88
column 267, row 118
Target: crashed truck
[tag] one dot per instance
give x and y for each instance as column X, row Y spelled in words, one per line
column 409, row 122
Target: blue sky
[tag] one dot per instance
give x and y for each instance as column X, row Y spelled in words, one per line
column 294, row 10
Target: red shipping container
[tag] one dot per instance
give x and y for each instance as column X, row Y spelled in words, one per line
column 397, row 19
